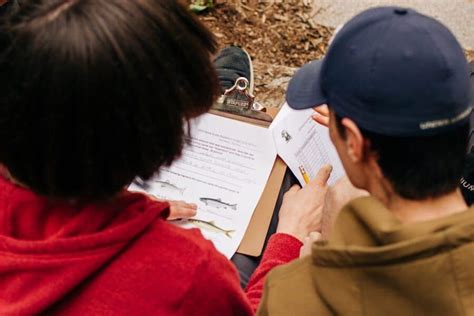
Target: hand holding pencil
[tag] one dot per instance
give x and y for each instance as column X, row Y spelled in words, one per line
column 301, row 210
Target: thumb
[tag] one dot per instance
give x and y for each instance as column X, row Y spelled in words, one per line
column 322, row 177
column 294, row 188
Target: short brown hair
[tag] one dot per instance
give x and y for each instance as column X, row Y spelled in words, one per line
column 96, row 93
column 419, row 167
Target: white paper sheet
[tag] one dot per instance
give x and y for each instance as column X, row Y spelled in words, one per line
column 304, row 145
column 224, row 171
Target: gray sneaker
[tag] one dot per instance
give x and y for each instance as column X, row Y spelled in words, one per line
column 231, row 63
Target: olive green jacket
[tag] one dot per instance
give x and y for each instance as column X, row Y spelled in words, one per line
column 374, row 265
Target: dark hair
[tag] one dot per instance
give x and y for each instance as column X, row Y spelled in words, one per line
column 420, row 167
column 95, row 93
column 9, row 7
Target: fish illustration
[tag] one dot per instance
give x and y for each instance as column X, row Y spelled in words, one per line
column 286, row 136
column 210, row 226
column 217, row 203
column 169, row 186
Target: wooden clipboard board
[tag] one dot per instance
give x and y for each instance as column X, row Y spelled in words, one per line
column 254, row 238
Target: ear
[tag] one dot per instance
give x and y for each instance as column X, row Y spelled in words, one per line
column 358, row 148
column 354, row 140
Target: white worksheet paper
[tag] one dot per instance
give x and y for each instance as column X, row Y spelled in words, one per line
column 304, row 144
column 224, row 170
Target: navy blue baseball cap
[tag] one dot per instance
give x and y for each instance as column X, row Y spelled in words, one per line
column 393, row 71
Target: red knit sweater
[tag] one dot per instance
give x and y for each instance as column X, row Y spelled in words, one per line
column 116, row 258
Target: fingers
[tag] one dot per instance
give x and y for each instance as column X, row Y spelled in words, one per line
column 181, row 209
column 314, row 236
column 179, row 213
column 322, row 177
column 308, row 242
column 322, row 115
column 322, row 120
column 322, row 110
column 304, row 251
column 294, row 188
column 183, row 204
column 155, row 198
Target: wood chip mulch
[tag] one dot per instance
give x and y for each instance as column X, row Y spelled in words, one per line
column 273, row 32
column 280, row 36
column 470, row 54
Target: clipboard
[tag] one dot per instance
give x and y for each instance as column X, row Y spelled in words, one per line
column 238, row 104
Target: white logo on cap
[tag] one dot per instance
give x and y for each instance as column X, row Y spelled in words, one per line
column 444, row 122
column 467, row 185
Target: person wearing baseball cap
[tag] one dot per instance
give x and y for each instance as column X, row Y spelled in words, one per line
column 396, row 83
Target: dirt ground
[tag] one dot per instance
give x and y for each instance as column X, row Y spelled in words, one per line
column 280, row 36
column 279, row 33
column 470, row 54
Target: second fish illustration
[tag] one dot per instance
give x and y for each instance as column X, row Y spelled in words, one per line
column 211, row 226
column 217, row 203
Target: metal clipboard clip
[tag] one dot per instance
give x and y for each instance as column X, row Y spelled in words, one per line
column 237, row 100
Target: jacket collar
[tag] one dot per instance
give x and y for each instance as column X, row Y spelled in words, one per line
column 367, row 232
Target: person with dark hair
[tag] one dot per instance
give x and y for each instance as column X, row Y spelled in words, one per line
column 8, row 6
column 396, row 85
column 95, row 94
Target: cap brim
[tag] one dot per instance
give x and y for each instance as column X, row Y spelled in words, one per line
column 304, row 90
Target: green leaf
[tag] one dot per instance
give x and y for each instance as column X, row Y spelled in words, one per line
column 198, row 8
column 200, row 5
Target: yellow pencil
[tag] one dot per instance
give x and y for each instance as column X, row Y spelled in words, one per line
column 304, row 174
